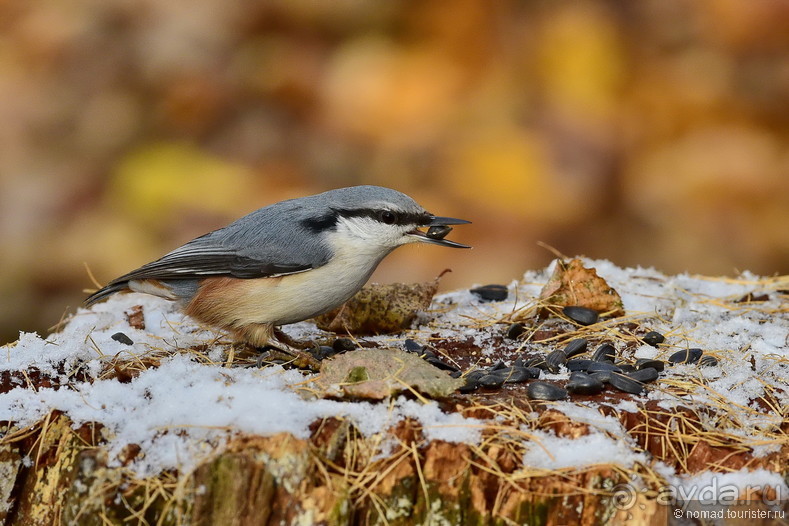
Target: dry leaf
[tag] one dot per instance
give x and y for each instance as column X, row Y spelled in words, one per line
column 135, row 317
column 379, row 373
column 380, row 309
column 573, row 284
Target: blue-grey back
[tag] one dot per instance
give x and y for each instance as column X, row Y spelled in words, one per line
column 281, row 238
column 282, row 231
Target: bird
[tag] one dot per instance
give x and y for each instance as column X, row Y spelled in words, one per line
column 286, row 262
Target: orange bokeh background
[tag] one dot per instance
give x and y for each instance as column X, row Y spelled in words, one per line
column 650, row 133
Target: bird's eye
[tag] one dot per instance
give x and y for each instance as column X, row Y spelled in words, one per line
column 387, row 217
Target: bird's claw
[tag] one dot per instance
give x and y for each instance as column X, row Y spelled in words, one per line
column 295, row 357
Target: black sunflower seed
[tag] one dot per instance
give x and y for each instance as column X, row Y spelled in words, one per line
column 602, row 366
column 576, row 347
column 582, row 383
column 626, row 367
column 515, row 330
column 604, row 353
column 491, row 292
column 438, row 231
column 476, row 374
column 427, row 354
column 555, row 360
column 472, row 384
column 492, row 380
column 496, row 366
column 413, row 346
column 343, row 344
column 578, row 364
column 653, row 338
column 645, row 375
column 516, row 375
column 708, row 361
column 686, row 356
column 603, row 376
column 537, row 361
column 643, row 363
column 122, row 338
column 322, row 352
column 581, row 315
column 545, row 391
column 625, row 383
column 436, row 362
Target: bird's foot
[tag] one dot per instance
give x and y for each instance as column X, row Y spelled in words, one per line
column 281, row 338
column 280, row 352
column 275, row 346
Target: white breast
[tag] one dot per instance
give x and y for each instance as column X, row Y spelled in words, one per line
column 297, row 297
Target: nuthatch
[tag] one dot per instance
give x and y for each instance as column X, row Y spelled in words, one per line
column 286, row 262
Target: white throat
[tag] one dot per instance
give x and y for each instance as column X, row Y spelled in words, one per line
column 366, row 237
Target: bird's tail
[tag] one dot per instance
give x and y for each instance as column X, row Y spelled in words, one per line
column 104, row 292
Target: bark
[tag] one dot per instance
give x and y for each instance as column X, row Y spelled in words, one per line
column 55, row 474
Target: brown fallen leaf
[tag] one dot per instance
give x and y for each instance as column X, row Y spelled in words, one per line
column 380, row 309
column 379, row 373
column 573, row 284
column 135, row 317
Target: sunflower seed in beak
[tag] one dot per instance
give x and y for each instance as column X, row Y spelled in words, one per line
column 438, row 231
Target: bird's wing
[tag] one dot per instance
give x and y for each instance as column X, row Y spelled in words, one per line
column 192, row 263
column 200, row 262
column 209, row 256
column 266, row 243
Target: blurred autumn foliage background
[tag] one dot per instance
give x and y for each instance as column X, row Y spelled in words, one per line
column 649, row 133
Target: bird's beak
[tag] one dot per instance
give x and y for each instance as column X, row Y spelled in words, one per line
column 444, row 221
column 439, row 227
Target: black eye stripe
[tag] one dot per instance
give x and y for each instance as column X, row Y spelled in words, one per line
column 320, row 223
column 400, row 218
column 328, row 221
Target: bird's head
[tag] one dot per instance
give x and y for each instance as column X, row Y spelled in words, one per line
column 374, row 218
